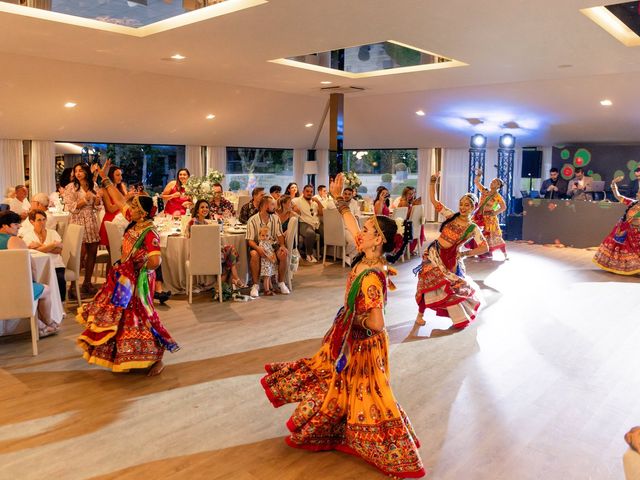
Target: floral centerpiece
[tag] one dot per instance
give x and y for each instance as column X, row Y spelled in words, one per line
column 352, row 180
column 201, row 188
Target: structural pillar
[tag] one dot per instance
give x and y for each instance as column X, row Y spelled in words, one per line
column 336, row 133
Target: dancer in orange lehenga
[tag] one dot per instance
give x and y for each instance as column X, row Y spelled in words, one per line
column 490, row 206
column 344, row 398
column 122, row 329
column 620, row 251
column 442, row 284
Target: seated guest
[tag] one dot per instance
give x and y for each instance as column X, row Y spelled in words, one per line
column 347, row 193
column 408, row 199
column 276, row 192
column 266, row 217
column 39, row 202
column 220, row 206
column 579, row 185
column 323, row 197
column 20, row 204
column 175, row 200
column 292, row 190
column 381, row 203
column 285, row 211
column 310, row 210
column 9, row 224
column 251, row 208
column 46, row 240
column 228, row 254
column 554, row 186
column 634, row 190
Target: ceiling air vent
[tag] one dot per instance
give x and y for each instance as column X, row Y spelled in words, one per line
column 339, row 89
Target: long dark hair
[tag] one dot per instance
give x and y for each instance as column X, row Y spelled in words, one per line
column 196, row 207
column 120, row 186
column 390, row 246
column 287, row 192
column 473, row 200
column 88, row 177
column 178, row 182
column 65, row 177
column 381, row 189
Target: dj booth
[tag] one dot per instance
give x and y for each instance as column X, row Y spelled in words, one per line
column 571, row 222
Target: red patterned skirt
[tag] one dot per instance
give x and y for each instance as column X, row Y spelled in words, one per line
column 353, row 411
column 620, row 251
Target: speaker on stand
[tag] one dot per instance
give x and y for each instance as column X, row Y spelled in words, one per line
column 531, row 165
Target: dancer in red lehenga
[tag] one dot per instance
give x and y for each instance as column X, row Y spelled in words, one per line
column 442, row 285
column 344, row 398
column 123, row 330
column 620, row 251
column 490, row 206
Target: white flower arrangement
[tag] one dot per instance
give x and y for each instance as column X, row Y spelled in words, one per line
column 400, row 225
column 201, row 188
column 352, row 180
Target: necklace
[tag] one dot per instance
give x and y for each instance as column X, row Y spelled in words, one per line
column 371, row 262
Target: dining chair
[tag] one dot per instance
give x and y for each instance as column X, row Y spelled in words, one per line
column 291, row 236
column 115, row 241
column 71, row 253
column 204, row 256
column 334, row 234
column 417, row 219
column 17, row 301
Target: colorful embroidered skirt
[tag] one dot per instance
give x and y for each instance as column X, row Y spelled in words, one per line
column 450, row 294
column 620, row 251
column 492, row 232
column 122, row 338
column 354, row 411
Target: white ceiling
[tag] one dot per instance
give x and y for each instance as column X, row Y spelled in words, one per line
column 127, row 93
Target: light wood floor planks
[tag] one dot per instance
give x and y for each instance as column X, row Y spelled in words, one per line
column 543, row 385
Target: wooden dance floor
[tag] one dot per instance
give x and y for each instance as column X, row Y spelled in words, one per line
column 543, row 385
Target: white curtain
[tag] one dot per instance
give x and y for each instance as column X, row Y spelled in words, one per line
column 217, row 160
column 11, row 165
column 193, row 160
column 43, row 167
column 455, row 172
column 322, row 157
column 426, row 168
column 299, row 157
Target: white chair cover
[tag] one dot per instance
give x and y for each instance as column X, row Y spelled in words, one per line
column 334, row 234
column 204, row 255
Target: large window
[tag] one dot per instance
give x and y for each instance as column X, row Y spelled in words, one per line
column 395, row 169
column 150, row 165
column 248, row 168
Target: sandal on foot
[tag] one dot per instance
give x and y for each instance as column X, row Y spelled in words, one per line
column 48, row 330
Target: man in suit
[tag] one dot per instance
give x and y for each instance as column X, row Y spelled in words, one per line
column 578, row 186
column 554, row 186
column 634, row 188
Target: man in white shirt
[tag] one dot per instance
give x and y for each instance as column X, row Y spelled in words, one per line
column 323, row 197
column 310, row 210
column 39, row 201
column 20, row 204
column 266, row 217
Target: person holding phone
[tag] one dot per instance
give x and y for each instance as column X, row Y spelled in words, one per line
column 579, row 185
column 381, row 203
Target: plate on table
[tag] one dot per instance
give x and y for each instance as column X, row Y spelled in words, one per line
column 237, row 229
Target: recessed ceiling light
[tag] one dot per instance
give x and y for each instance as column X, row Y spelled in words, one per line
column 606, row 103
column 420, row 113
column 309, row 125
column 326, row 82
column 70, row 104
column 177, row 56
column 211, row 116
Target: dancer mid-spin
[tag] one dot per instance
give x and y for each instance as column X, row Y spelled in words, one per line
column 344, row 398
column 442, row 285
column 490, row 206
column 620, row 251
column 122, row 329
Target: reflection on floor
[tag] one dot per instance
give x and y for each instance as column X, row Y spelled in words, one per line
column 543, row 385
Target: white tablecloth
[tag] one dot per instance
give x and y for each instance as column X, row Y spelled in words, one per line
column 175, row 252
column 45, row 273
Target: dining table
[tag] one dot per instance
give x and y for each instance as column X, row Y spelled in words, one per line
column 174, row 249
column 44, row 272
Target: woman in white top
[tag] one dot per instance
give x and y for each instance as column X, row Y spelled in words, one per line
column 46, row 240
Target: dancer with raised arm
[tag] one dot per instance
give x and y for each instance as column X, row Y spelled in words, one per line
column 620, row 251
column 491, row 205
column 442, row 284
column 344, row 398
column 122, row 329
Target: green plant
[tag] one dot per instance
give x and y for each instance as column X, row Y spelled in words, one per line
column 386, row 177
column 234, row 185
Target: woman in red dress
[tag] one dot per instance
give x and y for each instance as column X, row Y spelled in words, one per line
column 122, row 329
column 442, row 285
column 490, row 206
column 175, row 199
column 344, row 398
column 110, row 208
column 620, row 251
